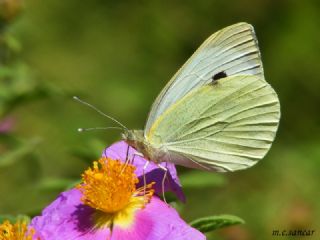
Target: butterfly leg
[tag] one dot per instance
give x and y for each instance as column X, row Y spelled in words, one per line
column 144, row 177
column 134, row 155
column 165, row 169
column 127, row 160
column 127, row 155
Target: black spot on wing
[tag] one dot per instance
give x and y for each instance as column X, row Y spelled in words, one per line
column 218, row 76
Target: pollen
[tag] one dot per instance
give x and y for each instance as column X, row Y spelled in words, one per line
column 17, row 231
column 110, row 187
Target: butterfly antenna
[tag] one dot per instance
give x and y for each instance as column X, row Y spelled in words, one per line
column 97, row 128
column 99, row 111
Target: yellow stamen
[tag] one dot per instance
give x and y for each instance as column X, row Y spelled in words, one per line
column 110, row 187
column 17, row 231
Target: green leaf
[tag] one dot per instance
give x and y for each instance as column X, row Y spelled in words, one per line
column 57, row 184
column 12, row 43
column 5, row 72
column 208, row 224
column 15, row 155
column 92, row 151
column 196, row 179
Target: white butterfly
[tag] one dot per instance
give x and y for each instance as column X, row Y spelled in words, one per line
column 217, row 112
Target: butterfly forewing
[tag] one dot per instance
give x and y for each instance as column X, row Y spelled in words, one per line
column 232, row 50
column 225, row 126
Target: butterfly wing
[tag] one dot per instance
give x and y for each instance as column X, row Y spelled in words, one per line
column 226, row 126
column 233, row 50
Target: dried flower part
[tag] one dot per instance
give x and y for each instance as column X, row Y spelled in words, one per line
column 17, row 231
column 9, row 9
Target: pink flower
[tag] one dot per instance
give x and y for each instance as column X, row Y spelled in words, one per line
column 109, row 204
column 6, row 124
column 68, row 218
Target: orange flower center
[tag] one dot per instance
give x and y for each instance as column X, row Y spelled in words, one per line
column 110, row 187
column 17, row 231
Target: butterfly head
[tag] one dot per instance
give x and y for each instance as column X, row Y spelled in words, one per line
column 131, row 136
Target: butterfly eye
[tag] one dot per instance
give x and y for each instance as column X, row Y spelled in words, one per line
column 218, row 75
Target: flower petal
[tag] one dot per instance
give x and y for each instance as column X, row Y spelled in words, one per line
column 68, row 218
column 6, row 125
column 157, row 221
column 153, row 172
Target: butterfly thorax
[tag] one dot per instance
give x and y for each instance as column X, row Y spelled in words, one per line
column 136, row 139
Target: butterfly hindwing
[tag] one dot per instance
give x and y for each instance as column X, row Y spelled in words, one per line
column 225, row 126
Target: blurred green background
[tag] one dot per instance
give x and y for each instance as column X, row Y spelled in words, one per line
column 118, row 55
